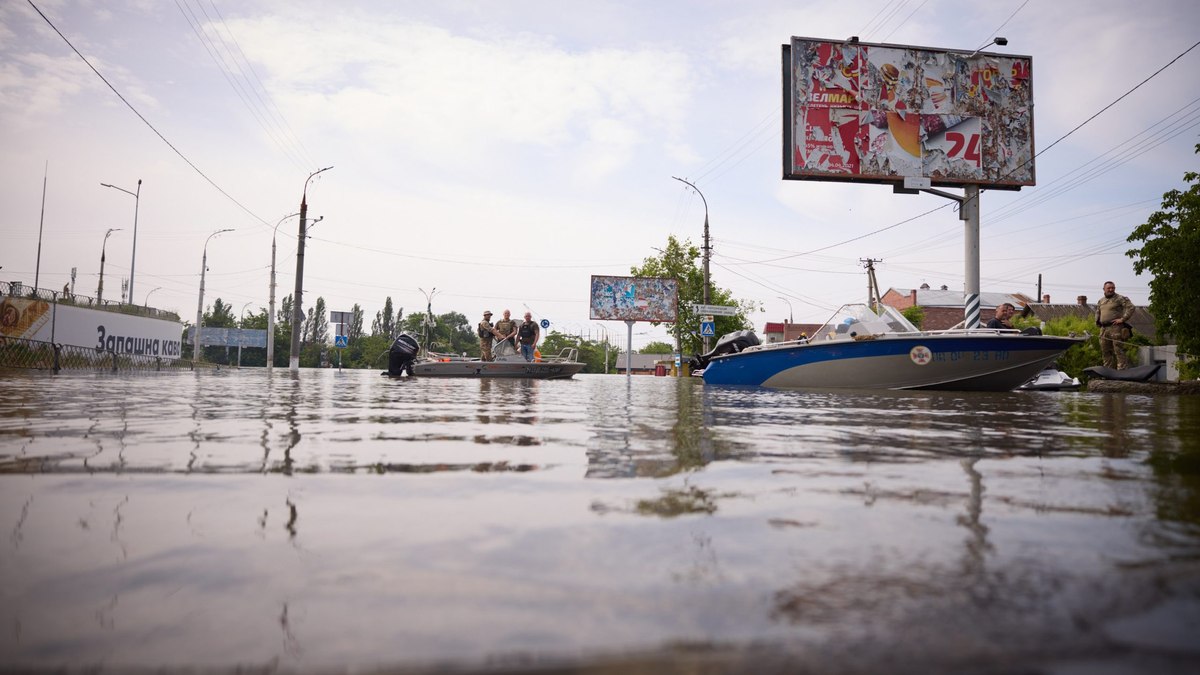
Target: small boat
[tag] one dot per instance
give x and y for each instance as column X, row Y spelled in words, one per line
column 403, row 360
column 1051, row 379
column 859, row 349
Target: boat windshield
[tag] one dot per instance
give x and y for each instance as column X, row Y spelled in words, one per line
column 858, row 319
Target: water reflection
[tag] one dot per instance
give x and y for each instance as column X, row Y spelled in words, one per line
column 482, row 522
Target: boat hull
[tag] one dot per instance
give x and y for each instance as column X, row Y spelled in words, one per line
column 959, row 362
column 501, row 369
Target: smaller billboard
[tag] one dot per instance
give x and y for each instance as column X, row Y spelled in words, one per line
column 634, row 299
column 229, row 337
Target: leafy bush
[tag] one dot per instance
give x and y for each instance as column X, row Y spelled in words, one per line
column 1085, row 354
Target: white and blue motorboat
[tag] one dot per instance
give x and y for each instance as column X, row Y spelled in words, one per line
column 859, row 349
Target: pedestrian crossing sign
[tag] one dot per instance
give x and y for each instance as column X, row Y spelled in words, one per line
column 707, row 329
column 341, row 341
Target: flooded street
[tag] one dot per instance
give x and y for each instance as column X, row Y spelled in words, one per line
column 342, row 521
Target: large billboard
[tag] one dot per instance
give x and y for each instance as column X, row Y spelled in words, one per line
column 880, row 113
column 634, row 299
column 36, row 319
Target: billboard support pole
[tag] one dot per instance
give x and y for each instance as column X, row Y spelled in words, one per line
column 629, row 349
column 970, row 216
column 968, row 212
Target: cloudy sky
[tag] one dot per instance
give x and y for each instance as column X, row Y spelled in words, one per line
column 503, row 152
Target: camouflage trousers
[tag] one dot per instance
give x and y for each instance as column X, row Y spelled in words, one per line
column 485, row 349
column 1112, row 346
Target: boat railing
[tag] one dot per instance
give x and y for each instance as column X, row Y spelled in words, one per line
column 830, row 336
column 565, row 354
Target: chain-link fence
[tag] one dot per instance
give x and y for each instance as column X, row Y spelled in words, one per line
column 39, row 355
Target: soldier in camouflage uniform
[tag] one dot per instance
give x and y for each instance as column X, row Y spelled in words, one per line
column 506, row 331
column 486, row 335
column 1112, row 315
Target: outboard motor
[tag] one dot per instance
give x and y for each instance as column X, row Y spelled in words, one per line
column 402, row 354
column 729, row 343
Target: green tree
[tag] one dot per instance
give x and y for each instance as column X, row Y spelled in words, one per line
column 679, row 261
column 657, row 347
column 1170, row 251
column 915, row 315
column 451, row 332
column 283, row 331
column 385, row 320
column 354, row 331
column 318, row 323
column 220, row 315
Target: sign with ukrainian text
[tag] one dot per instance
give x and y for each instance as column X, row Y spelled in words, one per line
column 104, row 331
column 634, row 299
column 880, row 113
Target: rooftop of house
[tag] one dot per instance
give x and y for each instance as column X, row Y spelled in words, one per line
column 944, row 297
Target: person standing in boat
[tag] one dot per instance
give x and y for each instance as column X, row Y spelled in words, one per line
column 1112, row 315
column 528, row 334
column 1003, row 318
column 506, row 331
column 487, row 333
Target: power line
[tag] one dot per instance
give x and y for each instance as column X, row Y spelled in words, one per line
column 143, row 119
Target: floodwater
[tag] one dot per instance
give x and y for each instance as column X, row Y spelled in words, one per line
column 346, row 522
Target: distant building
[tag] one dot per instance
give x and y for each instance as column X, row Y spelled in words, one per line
column 785, row 331
column 644, row 364
column 944, row 307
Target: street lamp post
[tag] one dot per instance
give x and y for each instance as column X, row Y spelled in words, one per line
column 159, row 288
column 428, row 314
column 706, row 248
column 271, row 309
column 298, row 311
column 196, row 353
column 789, row 304
column 240, row 329
column 136, row 201
column 100, row 288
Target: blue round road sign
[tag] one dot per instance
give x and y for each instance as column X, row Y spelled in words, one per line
column 545, row 323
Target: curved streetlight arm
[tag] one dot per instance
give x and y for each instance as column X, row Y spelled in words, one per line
column 281, row 220
column 228, row 229
column 312, row 223
column 103, row 246
column 791, row 319
column 706, row 248
column 137, row 198
column 131, row 194
column 693, row 186
column 200, row 303
column 304, row 196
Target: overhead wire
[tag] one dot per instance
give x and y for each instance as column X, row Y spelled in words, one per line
column 910, row 15
column 270, row 101
column 230, row 69
column 145, row 121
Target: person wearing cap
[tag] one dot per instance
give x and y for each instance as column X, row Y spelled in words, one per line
column 486, row 334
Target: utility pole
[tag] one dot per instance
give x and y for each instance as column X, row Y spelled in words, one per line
column 298, row 315
column 873, row 299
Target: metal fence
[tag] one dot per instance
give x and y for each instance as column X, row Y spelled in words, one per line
column 39, row 355
column 18, row 290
